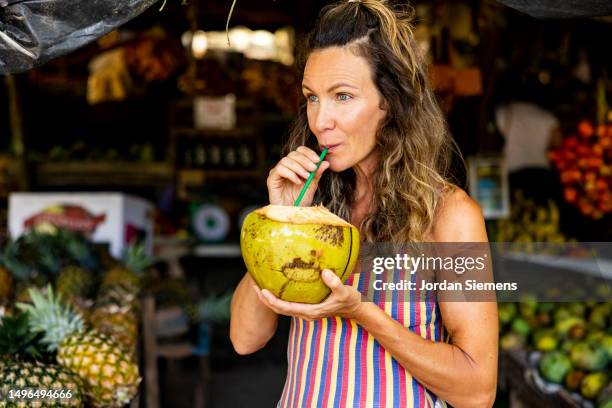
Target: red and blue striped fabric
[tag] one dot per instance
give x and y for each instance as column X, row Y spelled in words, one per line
column 333, row 362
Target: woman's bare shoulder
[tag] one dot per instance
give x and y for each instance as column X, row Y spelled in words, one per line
column 458, row 218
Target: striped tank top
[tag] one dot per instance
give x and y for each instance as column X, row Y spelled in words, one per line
column 333, row 362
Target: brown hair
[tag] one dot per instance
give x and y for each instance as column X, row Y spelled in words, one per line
column 414, row 145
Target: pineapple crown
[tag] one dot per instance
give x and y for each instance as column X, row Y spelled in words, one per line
column 10, row 260
column 16, row 339
column 50, row 315
column 136, row 258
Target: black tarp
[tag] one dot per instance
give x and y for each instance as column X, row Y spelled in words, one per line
column 35, row 31
column 561, row 8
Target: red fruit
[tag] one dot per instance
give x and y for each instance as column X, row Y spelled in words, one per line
column 601, row 130
column 594, row 162
column 590, row 176
column 585, row 129
column 570, row 194
column 598, row 149
column 583, row 150
column 601, row 184
column 570, row 142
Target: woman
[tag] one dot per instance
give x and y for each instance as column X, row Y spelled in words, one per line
column 369, row 102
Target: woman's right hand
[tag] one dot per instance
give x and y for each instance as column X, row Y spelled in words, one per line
column 287, row 178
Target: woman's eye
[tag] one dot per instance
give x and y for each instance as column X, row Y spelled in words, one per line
column 312, row 98
column 344, row 97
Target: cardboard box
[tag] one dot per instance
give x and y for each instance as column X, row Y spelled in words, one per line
column 112, row 218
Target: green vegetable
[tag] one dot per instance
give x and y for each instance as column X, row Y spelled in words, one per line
column 554, row 366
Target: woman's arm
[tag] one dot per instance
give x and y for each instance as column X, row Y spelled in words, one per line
column 252, row 324
column 464, row 372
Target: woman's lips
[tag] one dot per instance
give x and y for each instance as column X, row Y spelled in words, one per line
column 332, row 147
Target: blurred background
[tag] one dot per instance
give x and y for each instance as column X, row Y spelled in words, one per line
column 169, row 132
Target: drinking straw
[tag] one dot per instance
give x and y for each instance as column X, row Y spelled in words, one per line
column 310, row 177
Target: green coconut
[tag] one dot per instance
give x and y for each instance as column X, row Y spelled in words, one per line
column 286, row 248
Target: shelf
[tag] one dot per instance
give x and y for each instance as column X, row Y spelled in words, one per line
column 600, row 268
column 217, row 251
column 103, row 174
column 233, row 133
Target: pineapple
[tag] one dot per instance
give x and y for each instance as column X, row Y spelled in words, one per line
column 18, row 344
column 37, row 376
column 119, row 323
column 74, row 282
column 109, row 375
column 128, row 276
column 6, row 285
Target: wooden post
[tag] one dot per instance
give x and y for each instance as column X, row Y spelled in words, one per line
column 150, row 351
column 18, row 145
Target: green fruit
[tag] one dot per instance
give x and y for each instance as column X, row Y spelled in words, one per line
column 286, row 248
column 545, row 340
column 512, row 341
column 577, row 309
column 567, row 345
column 561, row 314
column 604, row 400
column 573, row 379
column 543, row 319
column 506, row 312
column 606, row 343
column 596, row 336
column 546, row 307
column 554, row 366
column 528, row 307
column 563, row 325
column 592, row 384
column 588, row 356
column 577, row 331
column 599, row 315
column 520, row 325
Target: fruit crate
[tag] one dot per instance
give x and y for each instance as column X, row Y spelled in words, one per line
column 520, row 378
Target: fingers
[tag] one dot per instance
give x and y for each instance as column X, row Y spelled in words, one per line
column 298, row 165
column 324, row 166
column 331, row 280
column 283, row 172
column 301, row 310
column 311, row 154
column 304, row 160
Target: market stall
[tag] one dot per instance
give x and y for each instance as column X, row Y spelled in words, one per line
column 133, row 157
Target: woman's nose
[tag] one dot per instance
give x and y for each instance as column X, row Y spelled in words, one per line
column 324, row 119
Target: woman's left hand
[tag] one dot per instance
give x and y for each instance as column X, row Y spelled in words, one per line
column 343, row 301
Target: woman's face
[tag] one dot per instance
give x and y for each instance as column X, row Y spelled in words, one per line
column 343, row 106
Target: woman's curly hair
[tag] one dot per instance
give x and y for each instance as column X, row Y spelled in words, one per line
column 414, row 144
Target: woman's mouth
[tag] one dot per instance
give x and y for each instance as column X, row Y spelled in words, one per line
column 332, row 147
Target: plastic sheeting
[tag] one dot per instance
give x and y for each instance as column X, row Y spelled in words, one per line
column 561, row 8
column 35, row 31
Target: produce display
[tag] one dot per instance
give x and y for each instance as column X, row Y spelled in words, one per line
column 285, row 249
column 70, row 319
column 530, row 222
column 584, row 162
column 573, row 342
